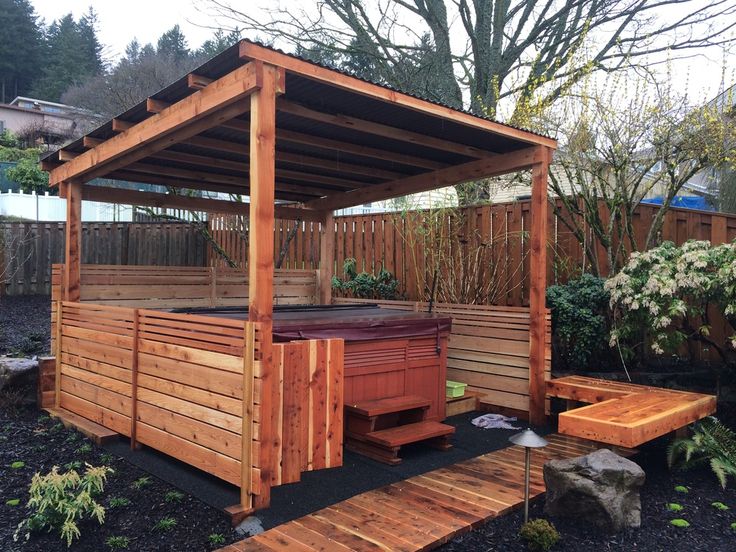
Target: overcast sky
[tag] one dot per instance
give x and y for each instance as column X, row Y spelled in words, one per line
column 119, row 21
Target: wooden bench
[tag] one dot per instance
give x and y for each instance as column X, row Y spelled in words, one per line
column 625, row 414
column 379, row 428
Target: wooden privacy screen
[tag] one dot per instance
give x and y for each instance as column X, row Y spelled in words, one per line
column 488, row 349
column 182, row 286
column 188, row 386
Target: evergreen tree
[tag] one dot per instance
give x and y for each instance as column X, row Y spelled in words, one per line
column 20, row 48
column 73, row 54
column 220, row 41
column 173, row 44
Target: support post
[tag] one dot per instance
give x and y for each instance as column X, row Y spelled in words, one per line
column 538, row 285
column 73, row 244
column 261, row 265
column 326, row 258
column 134, row 384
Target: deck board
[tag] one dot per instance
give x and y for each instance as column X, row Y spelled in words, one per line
column 625, row 414
column 424, row 511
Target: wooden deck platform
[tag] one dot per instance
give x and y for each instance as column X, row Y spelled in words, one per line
column 424, row 511
column 625, row 414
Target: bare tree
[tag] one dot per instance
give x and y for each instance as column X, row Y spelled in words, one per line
column 618, row 153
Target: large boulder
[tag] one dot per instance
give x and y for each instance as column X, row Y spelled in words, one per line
column 17, row 372
column 601, row 488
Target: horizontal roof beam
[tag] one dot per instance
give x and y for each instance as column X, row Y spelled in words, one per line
column 153, row 199
column 379, row 129
column 206, row 108
column 450, row 176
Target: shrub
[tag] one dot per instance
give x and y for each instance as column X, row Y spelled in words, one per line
column 174, row 496
column 668, row 290
column 712, row 443
column 365, row 285
column 539, row 534
column 60, row 500
column 117, row 543
column 580, row 321
column 165, row 524
column 216, row 538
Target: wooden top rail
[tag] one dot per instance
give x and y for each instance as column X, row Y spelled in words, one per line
column 626, row 414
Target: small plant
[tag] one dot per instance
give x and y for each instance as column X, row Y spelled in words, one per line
column 86, row 448
column 174, row 497
column 165, row 524
column 712, row 443
column 118, row 502
column 13, row 501
column 681, row 489
column 58, row 426
column 18, row 464
column 60, row 500
column 539, row 534
column 720, row 506
column 107, row 458
column 117, row 543
column 365, row 285
column 73, row 436
column 141, row 483
column 679, row 523
column 674, row 507
column 733, row 526
column 216, row 538
column 73, row 465
column 42, row 419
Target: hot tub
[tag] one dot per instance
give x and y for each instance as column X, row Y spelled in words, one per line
column 388, row 352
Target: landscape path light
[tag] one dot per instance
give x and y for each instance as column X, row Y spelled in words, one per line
column 529, row 440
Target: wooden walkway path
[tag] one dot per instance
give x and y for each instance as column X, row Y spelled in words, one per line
column 424, row 511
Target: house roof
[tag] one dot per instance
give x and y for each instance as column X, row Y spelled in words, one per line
column 334, row 133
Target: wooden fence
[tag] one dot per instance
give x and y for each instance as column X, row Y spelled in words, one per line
column 488, row 349
column 182, row 286
column 28, row 249
column 189, row 386
column 402, row 245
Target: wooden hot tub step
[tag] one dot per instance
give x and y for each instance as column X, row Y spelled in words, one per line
column 379, row 407
column 409, row 433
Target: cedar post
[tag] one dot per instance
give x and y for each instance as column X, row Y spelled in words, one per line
column 538, row 286
column 326, row 258
column 73, row 244
column 260, row 261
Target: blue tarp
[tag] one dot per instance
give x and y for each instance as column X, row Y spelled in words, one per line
column 686, row 202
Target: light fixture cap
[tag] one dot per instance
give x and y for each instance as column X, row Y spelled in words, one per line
column 529, row 439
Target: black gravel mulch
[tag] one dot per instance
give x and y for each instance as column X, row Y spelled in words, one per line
column 710, row 528
column 25, row 325
column 26, row 435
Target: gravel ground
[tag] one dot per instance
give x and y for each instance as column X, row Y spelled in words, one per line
column 25, row 323
column 28, row 436
column 709, row 527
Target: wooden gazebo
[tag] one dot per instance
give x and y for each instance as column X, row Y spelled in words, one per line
column 301, row 140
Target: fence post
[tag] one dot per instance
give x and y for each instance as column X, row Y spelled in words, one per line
column 57, row 376
column 134, row 384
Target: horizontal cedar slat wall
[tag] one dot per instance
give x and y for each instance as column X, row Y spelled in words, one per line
column 189, row 383
column 488, row 348
column 182, row 286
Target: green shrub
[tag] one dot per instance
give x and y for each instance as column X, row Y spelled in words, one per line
column 711, row 443
column 174, row 496
column 216, row 538
column 18, row 464
column 60, row 500
column 681, row 489
column 165, row 524
column 674, row 507
column 365, row 285
column 539, row 534
column 73, row 465
column 580, row 322
column 12, row 501
column 679, row 523
column 720, row 506
column 117, row 543
column 118, row 502
column 141, row 483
